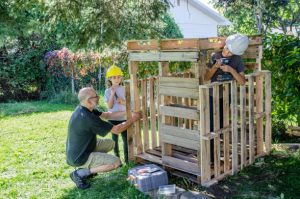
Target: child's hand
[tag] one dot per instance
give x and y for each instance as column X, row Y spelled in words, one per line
column 218, row 63
column 113, row 90
column 226, row 68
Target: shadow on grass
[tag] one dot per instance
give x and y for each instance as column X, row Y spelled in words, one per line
column 274, row 176
column 23, row 108
column 110, row 185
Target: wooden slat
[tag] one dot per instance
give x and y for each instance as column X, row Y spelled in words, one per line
column 179, row 112
column 152, row 113
column 151, row 158
column 182, row 165
column 179, row 82
column 164, row 56
column 179, row 45
column 135, row 99
column 226, row 133
column 216, row 114
column 268, row 135
column 145, row 114
column 187, row 143
column 248, row 55
column 251, row 119
column 243, row 125
column 130, row 129
column 142, row 45
column 204, row 130
column 251, row 65
column 178, row 92
column 166, row 147
column 180, row 133
column 234, row 135
column 259, row 109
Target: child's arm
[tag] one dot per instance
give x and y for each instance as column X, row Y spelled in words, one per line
column 121, row 101
column 211, row 71
column 239, row 77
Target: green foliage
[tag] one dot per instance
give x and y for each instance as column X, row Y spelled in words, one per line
column 251, row 17
column 22, row 73
column 282, row 57
column 99, row 24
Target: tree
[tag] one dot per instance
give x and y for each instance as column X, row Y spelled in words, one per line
column 262, row 15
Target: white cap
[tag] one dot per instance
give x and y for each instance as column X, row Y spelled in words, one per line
column 237, row 44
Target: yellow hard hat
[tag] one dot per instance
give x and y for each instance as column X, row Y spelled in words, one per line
column 114, row 71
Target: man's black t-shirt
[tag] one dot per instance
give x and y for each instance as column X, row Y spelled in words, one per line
column 84, row 125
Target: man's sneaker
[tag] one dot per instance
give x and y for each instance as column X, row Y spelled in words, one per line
column 80, row 182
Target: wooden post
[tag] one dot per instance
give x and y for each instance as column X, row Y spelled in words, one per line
column 130, row 129
column 216, row 114
column 226, row 132
column 268, row 135
column 136, row 104
column 251, row 120
column 164, row 71
column 204, row 131
column 234, row 127
column 152, row 114
column 259, row 110
column 145, row 114
column 243, row 125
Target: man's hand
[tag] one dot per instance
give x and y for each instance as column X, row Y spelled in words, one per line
column 226, row 68
column 136, row 116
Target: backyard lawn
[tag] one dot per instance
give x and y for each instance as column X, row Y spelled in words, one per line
column 32, row 163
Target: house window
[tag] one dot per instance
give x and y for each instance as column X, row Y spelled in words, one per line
column 178, row 2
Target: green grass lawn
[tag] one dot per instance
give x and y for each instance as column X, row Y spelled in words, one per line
column 32, row 163
column 32, row 156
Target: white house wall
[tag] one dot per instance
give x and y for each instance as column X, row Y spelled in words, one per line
column 192, row 22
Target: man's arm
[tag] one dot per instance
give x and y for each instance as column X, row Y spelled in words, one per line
column 117, row 129
column 112, row 115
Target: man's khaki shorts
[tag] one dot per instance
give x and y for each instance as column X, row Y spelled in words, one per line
column 100, row 157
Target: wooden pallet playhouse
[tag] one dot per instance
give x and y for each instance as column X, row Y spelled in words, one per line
column 175, row 130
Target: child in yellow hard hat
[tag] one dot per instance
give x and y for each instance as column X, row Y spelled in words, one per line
column 115, row 100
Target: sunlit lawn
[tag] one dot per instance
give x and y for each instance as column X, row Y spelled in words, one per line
column 32, row 156
column 32, row 163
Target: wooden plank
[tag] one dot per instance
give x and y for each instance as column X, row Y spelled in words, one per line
column 179, row 82
column 179, row 45
column 204, row 130
column 243, row 125
column 251, row 65
column 164, row 56
column 130, row 129
column 142, row 45
column 179, row 112
column 268, row 130
column 152, row 114
column 182, row 165
column 249, row 55
column 216, row 114
column 171, row 139
column 234, row 134
column 259, row 109
column 178, row 92
column 251, row 119
column 135, row 99
column 226, row 123
column 180, row 133
column 145, row 114
column 166, row 147
column 151, row 158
